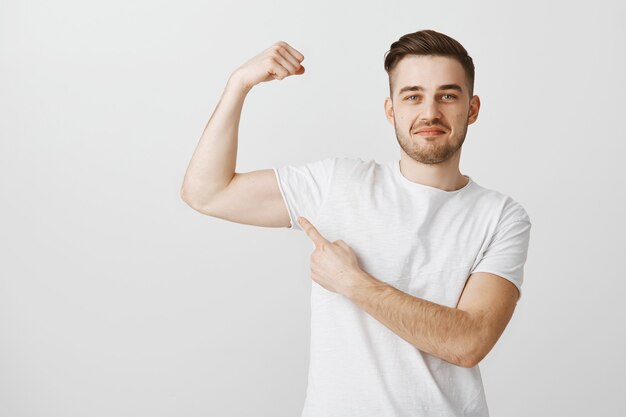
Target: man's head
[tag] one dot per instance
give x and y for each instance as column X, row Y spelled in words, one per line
column 431, row 84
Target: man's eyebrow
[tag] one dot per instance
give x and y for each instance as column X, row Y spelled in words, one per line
column 441, row 87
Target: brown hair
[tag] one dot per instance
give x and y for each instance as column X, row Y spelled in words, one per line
column 429, row 42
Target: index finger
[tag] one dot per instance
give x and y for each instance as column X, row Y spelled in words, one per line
column 311, row 231
column 293, row 52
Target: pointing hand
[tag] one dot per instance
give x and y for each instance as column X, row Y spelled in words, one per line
column 334, row 265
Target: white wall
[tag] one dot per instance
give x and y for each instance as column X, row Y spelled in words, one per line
column 117, row 299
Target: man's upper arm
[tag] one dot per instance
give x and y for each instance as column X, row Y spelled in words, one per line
column 495, row 283
column 250, row 198
column 273, row 197
column 490, row 300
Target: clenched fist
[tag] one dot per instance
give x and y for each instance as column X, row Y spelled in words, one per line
column 275, row 63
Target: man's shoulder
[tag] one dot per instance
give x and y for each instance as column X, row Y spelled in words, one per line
column 349, row 163
column 509, row 208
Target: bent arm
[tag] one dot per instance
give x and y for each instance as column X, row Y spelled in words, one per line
column 213, row 163
column 462, row 336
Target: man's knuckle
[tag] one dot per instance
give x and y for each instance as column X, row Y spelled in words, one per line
column 274, row 56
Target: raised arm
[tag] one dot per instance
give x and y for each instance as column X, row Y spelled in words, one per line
column 211, row 185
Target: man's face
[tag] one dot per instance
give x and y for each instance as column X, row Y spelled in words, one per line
column 430, row 92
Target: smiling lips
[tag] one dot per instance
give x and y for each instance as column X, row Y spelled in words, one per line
column 430, row 132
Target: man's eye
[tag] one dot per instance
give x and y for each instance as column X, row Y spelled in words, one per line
column 410, row 98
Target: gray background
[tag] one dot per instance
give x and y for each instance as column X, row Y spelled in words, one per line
column 117, row 299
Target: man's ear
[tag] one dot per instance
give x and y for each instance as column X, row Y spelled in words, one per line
column 389, row 110
column 474, row 108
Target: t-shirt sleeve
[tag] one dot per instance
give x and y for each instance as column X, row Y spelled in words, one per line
column 304, row 188
column 507, row 252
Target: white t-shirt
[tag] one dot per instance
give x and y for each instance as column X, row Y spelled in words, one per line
column 423, row 241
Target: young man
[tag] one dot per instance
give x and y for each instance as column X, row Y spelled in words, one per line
column 416, row 269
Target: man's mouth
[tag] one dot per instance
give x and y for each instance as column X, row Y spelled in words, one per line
column 433, row 132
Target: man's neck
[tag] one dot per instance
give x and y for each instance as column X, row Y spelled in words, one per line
column 446, row 177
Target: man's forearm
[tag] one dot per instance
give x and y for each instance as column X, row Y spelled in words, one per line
column 214, row 161
column 445, row 332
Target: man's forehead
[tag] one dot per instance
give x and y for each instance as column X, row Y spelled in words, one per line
column 428, row 73
column 448, row 86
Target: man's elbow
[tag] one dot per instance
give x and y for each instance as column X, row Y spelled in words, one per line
column 472, row 358
column 193, row 202
column 468, row 361
column 465, row 359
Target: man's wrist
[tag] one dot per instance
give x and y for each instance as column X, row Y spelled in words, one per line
column 360, row 285
column 235, row 82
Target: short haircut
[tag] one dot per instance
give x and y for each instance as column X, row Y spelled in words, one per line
column 429, row 42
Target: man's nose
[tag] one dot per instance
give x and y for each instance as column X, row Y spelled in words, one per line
column 430, row 110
